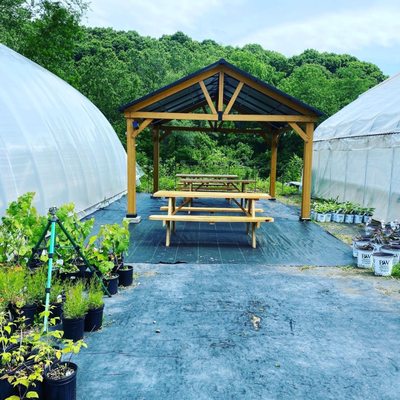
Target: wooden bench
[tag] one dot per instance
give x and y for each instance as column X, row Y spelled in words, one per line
column 254, row 221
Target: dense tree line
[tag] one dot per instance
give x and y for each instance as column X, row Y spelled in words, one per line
column 113, row 67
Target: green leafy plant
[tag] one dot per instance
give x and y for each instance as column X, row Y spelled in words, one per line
column 396, row 271
column 75, row 305
column 95, row 294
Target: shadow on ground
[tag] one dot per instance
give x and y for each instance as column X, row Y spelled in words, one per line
column 244, row 331
column 287, row 241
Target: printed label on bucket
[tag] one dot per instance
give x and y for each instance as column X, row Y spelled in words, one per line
column 364, row 259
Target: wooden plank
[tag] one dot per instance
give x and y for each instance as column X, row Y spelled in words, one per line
column 172, row 90
column 299, row 131
column 206, row 176
column 274, row 158
column 177, row 115
column 188, row 180
column 142, row 126
column 208, row 98
column 211, row 195
column 253, row 235
column 209, row 218
column 131, row 169
column 233, row 98
column 156, row 158
column 265, row 118
column 210, row 209
column 212, row 129
column 221, row 92
column 278, row 97
column 307, row 165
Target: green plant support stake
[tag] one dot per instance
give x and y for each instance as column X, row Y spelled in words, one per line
column 50, row 266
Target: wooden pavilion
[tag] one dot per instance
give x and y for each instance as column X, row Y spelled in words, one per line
column 220, row 93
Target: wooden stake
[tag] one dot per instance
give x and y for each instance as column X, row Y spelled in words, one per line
column 307, row 165
column 274, row 158
column 131, row 171
column 156, row 158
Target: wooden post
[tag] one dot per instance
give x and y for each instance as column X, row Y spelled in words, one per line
column 156, row 158
column 307, row 164
column 131, row 163
column 274, row 158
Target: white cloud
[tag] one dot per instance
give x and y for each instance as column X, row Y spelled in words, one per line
column 344, row 31
column 151, row 17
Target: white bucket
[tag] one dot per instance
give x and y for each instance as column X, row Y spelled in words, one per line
column 339, row 217
column 328, row 217
column 357, row 244
column 377, row 247
column 383, row 264
column 312, row 215
column 367, row 219
column 364, row 258
column 392, row 249
column 358, row 219
column 321, row 217
column 349, row 219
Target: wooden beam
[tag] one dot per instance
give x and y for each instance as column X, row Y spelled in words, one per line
column 143, row 126
column 170, row 91
column 268, row 118
column 299, row 131
column 229, row 117
column 221, row 92
column 212, row 129
column 233, row 98
column 166, row 115
column 281, row 98
column 307, row 165
column 274, row 158
column 131, row 169
column 156, row 158
column 208, row 98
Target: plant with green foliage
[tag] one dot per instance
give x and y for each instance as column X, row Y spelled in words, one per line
column 114, row 241
column 95, row 294
column 20, row 230
column 396, row 271
column 75, row 305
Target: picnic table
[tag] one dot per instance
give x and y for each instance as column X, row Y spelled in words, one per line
column 215, row 184
column 249, row 213
column 206, row 176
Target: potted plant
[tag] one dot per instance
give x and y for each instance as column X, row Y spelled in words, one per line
column 60, row 376
column 368, row 213
column 115, row 242
column 383, row 263
column 94, row 316
column 74, row 311
column 364, row 256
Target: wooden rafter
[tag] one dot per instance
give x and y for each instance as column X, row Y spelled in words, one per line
column 270, row 93
column 233, row 98
column 299, row 131
column 142, row 126
column 208, row 98
column 172, row 90
column 221, row 92
column 206, row 129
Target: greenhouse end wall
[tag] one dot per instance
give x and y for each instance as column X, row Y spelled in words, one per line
column 363, row 169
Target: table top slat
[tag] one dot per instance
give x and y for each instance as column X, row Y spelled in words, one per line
column 211, row 195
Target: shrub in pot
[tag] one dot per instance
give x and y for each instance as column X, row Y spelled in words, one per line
column 94, row 316
column 74, row 311
column 364, row 256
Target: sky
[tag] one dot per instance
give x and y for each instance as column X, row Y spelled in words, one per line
column 368, row 29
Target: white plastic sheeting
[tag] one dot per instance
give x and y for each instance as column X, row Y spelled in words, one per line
column 357, row 152
column 54, row 141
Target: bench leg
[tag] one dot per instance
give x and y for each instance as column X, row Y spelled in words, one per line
column 174, row 227
column 253, row 235
column 168, row 236
column 247, row 227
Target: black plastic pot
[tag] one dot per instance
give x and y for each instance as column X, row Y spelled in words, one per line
column 28, row 311
column 94, row 319
column 125, row 276
column 112, row 284
column 68, row 276
column 6, row 389
column 73, row 328
column 61, row 389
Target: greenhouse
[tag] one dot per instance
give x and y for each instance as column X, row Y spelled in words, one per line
column 357, row 152
column 54, row 141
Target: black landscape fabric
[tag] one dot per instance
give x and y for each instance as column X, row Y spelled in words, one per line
column 287, row 241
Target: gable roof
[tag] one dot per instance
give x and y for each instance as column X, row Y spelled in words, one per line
column 256, row 96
